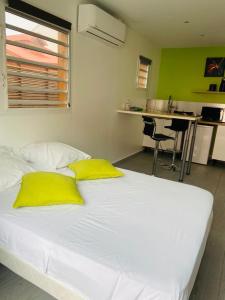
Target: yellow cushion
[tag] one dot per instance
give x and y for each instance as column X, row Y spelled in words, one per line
column 46, row 188
column 94, row 169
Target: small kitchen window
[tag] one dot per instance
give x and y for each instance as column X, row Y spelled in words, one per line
column 144, row 65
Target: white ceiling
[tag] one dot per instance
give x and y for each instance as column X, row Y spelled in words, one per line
column 163, row 20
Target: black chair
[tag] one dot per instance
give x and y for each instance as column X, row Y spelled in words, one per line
column 177, row 126
column 150, row 130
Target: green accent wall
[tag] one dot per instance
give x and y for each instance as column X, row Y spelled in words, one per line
column 182, row 72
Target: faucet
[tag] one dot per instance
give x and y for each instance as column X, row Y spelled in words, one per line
column 170, row 104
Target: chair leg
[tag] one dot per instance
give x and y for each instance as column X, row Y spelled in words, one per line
column 155, row 158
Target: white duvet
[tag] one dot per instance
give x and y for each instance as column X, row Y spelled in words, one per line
column 136, row 238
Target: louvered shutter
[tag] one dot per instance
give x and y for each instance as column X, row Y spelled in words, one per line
column 143, row 72
column 37, row 62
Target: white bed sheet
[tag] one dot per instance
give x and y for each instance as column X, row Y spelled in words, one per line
column 137, row 237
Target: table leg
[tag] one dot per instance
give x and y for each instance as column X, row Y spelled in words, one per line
column 192, row 148
column 186, row 143
column 182, row 141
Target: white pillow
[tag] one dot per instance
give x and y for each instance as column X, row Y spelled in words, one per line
column 52, row 155
column 6, row 149
column 12, row 168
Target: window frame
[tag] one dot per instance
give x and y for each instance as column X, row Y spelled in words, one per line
column 4, row 99
column 138, row 71
column 3, row 72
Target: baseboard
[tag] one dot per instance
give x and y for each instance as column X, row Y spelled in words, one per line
column 127, row 156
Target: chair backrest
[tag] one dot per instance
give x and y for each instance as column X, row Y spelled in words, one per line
column 180, row 125
column 150, row 126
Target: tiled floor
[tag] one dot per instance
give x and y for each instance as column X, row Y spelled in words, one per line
column 210, row 283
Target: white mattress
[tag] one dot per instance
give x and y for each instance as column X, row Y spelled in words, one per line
column 137, row 237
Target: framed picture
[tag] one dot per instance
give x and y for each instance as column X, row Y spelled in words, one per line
column 214, row 67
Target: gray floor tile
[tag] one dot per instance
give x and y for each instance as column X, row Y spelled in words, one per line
column 13, row 287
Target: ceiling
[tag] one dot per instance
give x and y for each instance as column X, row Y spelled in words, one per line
column 163, row 20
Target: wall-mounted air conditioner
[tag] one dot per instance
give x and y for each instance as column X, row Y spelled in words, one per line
column 96, row 22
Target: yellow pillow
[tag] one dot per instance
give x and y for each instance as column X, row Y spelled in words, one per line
column 94, row 169
column 46, row 188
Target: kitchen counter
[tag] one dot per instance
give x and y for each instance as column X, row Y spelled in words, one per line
column 203, row 122
column 187, row 142
column 161, row 114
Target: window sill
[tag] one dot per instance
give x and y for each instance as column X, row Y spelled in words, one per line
column 13, row 111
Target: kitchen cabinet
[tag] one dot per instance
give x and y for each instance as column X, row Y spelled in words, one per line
column 219, row 145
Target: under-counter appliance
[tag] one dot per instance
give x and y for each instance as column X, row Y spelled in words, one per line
column 202, row 145
column 213, row 114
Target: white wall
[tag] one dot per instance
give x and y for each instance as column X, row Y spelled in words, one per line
column 103, row 78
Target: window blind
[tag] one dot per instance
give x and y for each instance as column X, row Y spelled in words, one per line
column 37, row 62
column 143, row 72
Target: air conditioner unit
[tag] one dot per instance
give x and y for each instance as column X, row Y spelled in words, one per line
column 94, row 21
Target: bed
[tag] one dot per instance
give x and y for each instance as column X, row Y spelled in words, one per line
column 137, row 237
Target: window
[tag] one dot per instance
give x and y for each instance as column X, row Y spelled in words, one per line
column 37, row 58
column 143, row 72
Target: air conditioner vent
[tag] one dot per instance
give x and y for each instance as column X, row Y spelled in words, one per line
column 96, row 22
